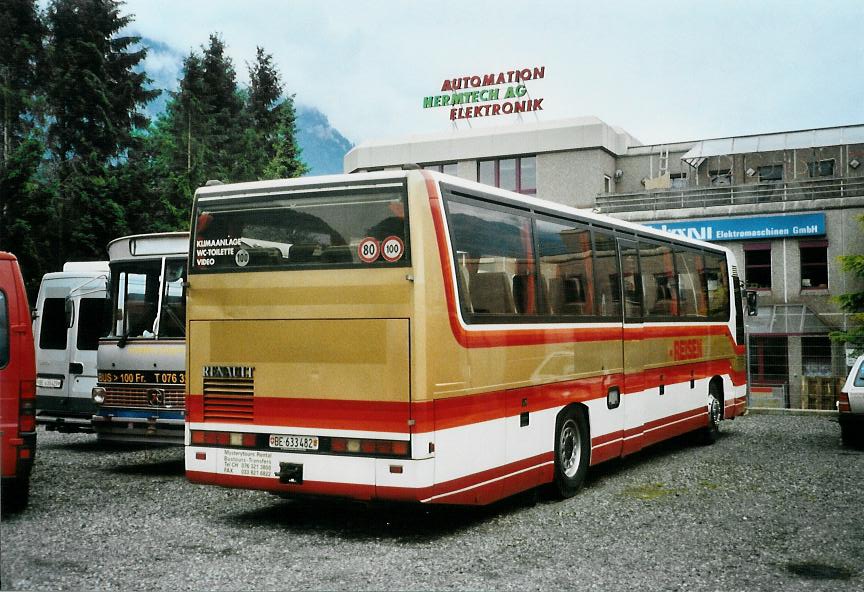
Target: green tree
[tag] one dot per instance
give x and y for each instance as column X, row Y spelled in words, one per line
column 275, row 149
column 205, row 131
column 285, row 162
column 853, row 303
column 94, row 93
column 93, row 96
column 21, row 38
column 24, row 199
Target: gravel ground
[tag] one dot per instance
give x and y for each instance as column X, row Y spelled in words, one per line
column 775, row 504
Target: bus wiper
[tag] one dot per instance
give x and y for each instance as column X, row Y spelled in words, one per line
column 121, row 343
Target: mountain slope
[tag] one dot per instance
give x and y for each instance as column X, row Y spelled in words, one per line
column 323, row 147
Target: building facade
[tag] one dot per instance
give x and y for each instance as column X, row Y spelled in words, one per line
column 788, row 204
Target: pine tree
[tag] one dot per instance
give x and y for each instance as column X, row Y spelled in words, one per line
column 227, row 118
column 24, row 199
column 285, row 162
column 265, row 90
column 21, row 37
column 93, row 95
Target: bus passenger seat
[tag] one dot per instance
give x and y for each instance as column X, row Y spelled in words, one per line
column 492, row 293
column 337, row 254
column 522, row 293
column 464, row 292
column 301, row 252
column 555, row 294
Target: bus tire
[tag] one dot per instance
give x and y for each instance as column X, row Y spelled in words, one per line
column 572, row 451
column 709, row 434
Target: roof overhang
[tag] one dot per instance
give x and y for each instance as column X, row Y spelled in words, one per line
column 787, row 319
column 815, row 138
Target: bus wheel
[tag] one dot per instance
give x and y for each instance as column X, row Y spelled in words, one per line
column 710, row 433
column 572, row 449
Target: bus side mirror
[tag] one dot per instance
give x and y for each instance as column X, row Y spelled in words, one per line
column 752, row 303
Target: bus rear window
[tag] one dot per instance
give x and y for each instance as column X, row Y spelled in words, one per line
column 366, row 229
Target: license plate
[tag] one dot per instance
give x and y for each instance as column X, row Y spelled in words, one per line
column 289, row 442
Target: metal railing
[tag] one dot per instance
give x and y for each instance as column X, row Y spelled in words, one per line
column 703, row 197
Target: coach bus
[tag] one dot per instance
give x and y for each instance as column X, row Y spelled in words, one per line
column 412, row 336
column 140, row 393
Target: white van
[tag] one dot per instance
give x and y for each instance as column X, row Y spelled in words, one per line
column 851, row 406
column 68, row 320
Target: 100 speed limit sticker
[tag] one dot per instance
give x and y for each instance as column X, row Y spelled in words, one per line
column 391, row 249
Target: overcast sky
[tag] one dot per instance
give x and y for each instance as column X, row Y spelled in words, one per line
column 664, row 71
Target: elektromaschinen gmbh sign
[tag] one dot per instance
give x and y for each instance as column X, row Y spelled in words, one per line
column 749, row 228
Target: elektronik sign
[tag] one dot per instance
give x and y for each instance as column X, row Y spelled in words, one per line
column 501, row 93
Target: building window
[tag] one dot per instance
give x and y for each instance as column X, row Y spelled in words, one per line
column 507, row 174
column 607, row 184
column 720, row 177
column 772, row 172
column 814, row 264
column 769, row 360
column 514, row 174
column 757, row 265
column 816, row 356
column 486, row 172
column 448, row 168
column 679, row 180
column 821, row 168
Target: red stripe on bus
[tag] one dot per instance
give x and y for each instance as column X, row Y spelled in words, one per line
column 451, row 412
column 335, row 414
column 516, row 337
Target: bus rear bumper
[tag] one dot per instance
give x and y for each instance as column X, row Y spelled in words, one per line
column 146, row 430
column 296, row 474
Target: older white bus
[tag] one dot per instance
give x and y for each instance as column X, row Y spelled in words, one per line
column 141, row 363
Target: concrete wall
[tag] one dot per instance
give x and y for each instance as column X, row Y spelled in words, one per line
column 640, row 166
column 573, row 178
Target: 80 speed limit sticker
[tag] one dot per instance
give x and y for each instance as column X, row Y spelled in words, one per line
column 368, row 250
column 392, row 248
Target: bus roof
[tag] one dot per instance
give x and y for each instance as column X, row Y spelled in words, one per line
column 140, row 246
column 85, row 266
column 261, row 188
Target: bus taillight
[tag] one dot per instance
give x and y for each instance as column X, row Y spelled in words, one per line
column 371, row 447
column 224, row 438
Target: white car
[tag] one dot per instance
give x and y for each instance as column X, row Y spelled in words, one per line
column 851, row 406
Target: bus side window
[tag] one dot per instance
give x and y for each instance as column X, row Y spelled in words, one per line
column 566, row 260
column 658, row 276
column 607, row 277
column 717, row 284
column 632, row 279
column 691, row 281
column 494, row 260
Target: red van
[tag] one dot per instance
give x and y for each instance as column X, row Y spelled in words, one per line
column 17, row 387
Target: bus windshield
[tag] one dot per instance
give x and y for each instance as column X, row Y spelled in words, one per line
column 147, row 307
column 363, row 229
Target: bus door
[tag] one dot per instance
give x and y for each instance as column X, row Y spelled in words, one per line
column 607, row 423
column 88, row 320
column 635, row 403
column 52, row 334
